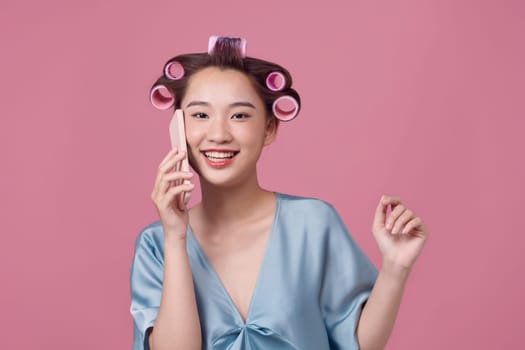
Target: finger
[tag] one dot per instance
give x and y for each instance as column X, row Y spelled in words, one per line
column 382, row 208
column 171, row 162
column 380, row 214
column 178, row 175
column 414, row 226
column 187, row 198
column 394, row 214
column 390, row 200
column 402, row 220
column 170, row 154
column 168, row 198
column 168, row 166
column 183, row 200
column 168, row 163
column 173, row 179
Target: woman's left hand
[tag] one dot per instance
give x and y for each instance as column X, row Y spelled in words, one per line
column 400, row 236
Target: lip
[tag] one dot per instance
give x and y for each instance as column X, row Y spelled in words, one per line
column 222, row 163
column 219, row 150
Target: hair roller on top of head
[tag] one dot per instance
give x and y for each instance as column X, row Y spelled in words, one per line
column 161, row 97
column 211, row 43
column 218, row 44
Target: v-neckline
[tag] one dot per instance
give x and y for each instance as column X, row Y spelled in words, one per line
column 259, row 273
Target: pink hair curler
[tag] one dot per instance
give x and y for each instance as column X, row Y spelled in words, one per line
column 243, row 47
column 275, row 81
column 285, row 108
column 213, row 41
column 161, row 98
column 174, row 70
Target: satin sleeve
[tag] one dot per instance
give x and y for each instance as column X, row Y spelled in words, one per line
column 146, row 275
column 347, row 282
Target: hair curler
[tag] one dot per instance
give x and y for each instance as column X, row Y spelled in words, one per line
column 275, row 81
column 174, row 70
column 211, row 43
column 161, row 98
column 285, row 108
column 214, row 38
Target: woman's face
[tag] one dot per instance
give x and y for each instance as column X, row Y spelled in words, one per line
column 226, row 126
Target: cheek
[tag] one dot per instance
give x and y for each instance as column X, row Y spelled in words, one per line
column 254, row 136
column 192, row 141
column 193, row 165
column 190, row 138
column 193, row 133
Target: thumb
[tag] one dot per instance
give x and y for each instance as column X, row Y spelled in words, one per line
column 380, row 214
column 187, row 196
column 382, row 208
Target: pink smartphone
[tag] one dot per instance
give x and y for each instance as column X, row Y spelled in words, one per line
column 178, row 139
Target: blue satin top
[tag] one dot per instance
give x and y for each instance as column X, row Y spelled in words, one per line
column 309, row 293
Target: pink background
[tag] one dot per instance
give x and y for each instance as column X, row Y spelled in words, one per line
column 419, row 99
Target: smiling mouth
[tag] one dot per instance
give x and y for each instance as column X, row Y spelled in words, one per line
column 217, row 156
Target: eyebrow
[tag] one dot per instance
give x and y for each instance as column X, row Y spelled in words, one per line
column 234, row 104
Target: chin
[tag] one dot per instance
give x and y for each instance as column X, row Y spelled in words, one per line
column 220, row 180
column 228, row 175
column 224, row 178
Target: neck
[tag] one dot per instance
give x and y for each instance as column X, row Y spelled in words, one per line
column 225, row 206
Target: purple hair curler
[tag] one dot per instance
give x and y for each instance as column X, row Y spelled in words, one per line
column 275, row 81
column 213, row 40
column 161, row 98
column 174, row 70
column 285, row 108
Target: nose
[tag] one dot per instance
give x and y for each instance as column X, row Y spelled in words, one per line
column 219, row 131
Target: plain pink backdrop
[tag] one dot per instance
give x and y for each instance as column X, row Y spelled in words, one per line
column 419, row 99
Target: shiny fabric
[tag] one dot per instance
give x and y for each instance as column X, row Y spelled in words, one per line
column 311, row 286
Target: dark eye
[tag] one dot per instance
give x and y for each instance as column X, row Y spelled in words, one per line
column 240, row 116
column 199, row 115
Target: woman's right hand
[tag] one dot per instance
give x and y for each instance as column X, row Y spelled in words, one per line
column 164, row 195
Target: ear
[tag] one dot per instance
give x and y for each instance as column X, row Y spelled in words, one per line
column 270, row 133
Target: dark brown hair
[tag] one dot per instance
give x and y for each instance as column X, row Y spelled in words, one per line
column 227, row 55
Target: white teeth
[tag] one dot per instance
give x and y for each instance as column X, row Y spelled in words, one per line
column 219, row 155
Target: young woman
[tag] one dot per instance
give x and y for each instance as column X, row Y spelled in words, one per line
column 248, row 268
